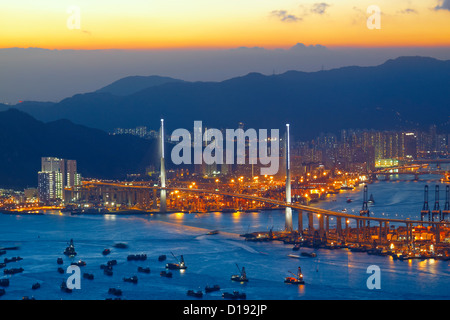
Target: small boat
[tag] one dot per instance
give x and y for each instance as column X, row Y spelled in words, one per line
column 215, row 287
column 59, row 261
column 61, row 270
column 162, row 257
column 2, row 292
column 13, row 259
column 344, row 210
column 143, row 270
column 234, row 295
column 106, row 252
column 4, row 282
column 297, row 279
column 296, row 247
column 79, row 263
column 35, row 286
column 120, row 245
column 64, row 287
column 197, row 294
column 88, row 276
column 293, row 256
column 13, row 271
column 309, row 254
column 166, row 274
column 177, row 266
column 114, row 291
column 111, row 263
column 349, row 200
column 371, row 200
column 137, row 257
column 70, row 250
column 108, row 272
column 213, row 232
column 2, row 265
column 240, row 277
column 132, row 279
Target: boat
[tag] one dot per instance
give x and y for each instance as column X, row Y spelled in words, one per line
column 2, row 292
column 61, row 270
column 2, row 252
column 234, row 295
column 111, row 263
column 108, row 272
column 59, row 261
column 114, row 291
column 120, row 245
column 213, row 232
column 132, row 279
column 177, row 266
column 166, row 274
column 293, row 256
column 162, row 257
column 242, row 277
column 13, row 271
column 344, row 210
column 137, row 257
column 70, row 250
column 371, row 200
column 297, row 279
column 4, row 282
column 35, row 286
column 2, row 265
column 309, row 254
column 296, row 247
column 215, row 287
column 358, row 249
column 349, row 200
column 192, row 293
column 106, row 252
column 143, row 270
column 88, row 276
column 13, row 259
column 79, row 263
column 64, row 287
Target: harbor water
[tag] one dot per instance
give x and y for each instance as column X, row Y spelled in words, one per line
column 213, row 259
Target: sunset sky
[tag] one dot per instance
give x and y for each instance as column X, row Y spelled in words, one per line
column 167, row 24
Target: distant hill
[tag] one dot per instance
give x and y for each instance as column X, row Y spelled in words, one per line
column 133, row 84
column 25, row 140
column 407, row 92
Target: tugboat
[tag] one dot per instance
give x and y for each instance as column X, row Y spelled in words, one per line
column 13, row 259
column 137, row 257
column 106, row 252
column 215, row 287
column 70, row 250
column 197, row 294
column 177, row 266
column 166, row 274
column 234, row 295
column 297, row 279
column 13, row 271
column 240, row 277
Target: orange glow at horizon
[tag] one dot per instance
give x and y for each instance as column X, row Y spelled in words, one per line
column 220, row 25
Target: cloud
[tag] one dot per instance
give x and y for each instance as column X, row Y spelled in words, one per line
column 444, row 5
column 319, row 8
column 408, row 11
column 282, row 15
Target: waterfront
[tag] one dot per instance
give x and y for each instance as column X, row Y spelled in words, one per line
column 211, row 259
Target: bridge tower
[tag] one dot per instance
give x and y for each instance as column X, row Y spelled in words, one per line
column 425, row 209
column 446, row 211
column 365, row 207
column 436, row 210
column 163, row 200
column 288, row 220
